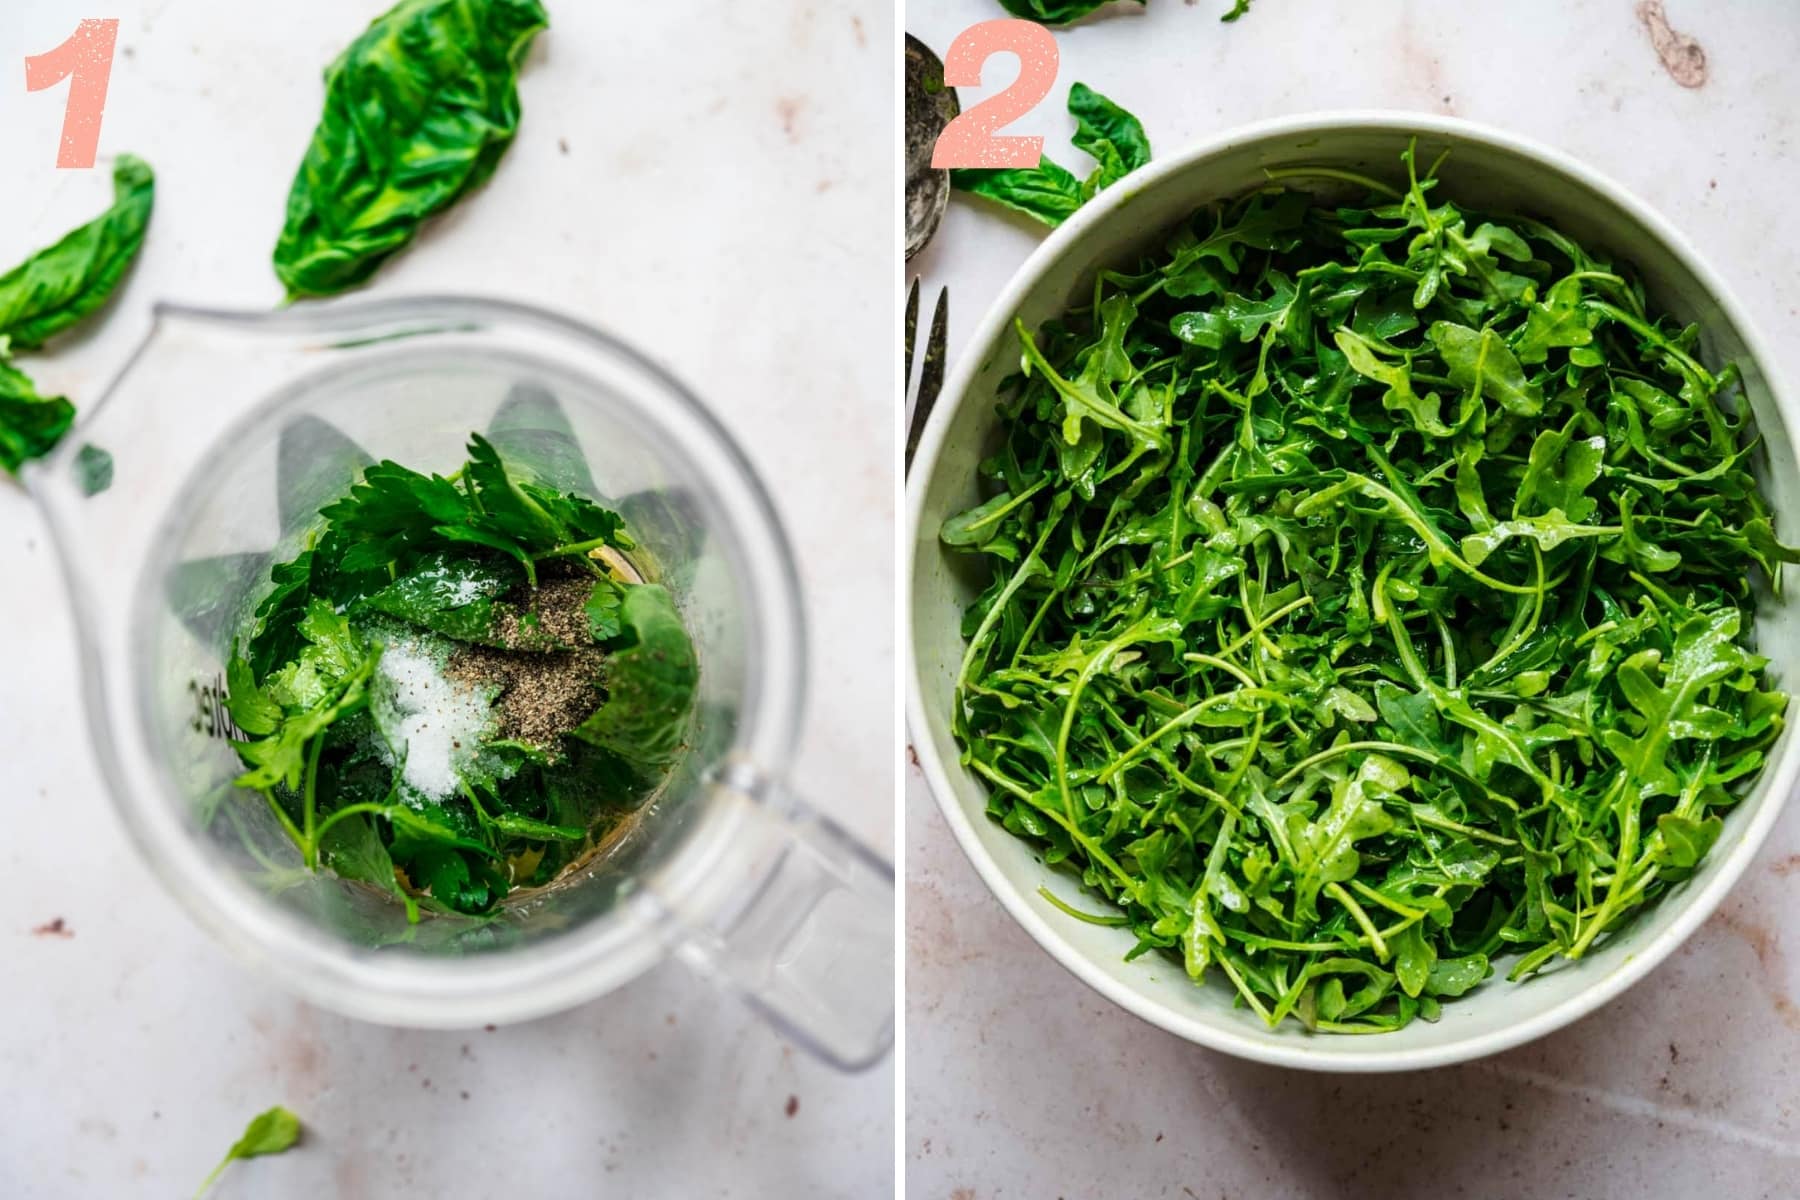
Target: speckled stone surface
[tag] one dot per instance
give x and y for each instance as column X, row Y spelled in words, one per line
column 714, row 182
column 1020, row 1082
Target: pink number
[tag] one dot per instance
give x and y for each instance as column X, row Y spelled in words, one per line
column 970, row 140
column 85, row 60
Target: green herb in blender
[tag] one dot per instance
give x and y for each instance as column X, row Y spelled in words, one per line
column 459, row 686
column 1372, row 598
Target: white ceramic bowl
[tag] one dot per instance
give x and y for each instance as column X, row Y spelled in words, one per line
column 1487, row 169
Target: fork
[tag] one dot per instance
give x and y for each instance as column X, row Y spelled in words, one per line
column 931, row 373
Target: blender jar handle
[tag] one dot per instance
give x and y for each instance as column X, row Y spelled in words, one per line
column 807, row 937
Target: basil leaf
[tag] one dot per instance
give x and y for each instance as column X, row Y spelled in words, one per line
column 30, row 424
column 418, row 111
column 1052, row 12
column 1048, row 192
column 1107, row 134
column 1045, row 192
column 649, row 685
column 57, row 287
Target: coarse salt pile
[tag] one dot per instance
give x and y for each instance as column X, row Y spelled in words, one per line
column 436, row 722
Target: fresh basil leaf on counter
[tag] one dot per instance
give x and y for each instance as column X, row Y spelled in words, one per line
column 1061, row 12
column 30, row 424
column 418, row 111
column 58, row 286
column 1052, row 12
column 1050, row 193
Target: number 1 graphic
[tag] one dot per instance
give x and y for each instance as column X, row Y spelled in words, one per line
column 86, row 61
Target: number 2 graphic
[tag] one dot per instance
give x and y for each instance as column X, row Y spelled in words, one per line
column 970, row 140
column 86, row 61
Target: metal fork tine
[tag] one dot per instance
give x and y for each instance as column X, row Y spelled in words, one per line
column 912, row 325
column 931, row 375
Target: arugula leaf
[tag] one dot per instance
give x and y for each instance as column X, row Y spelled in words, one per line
column 419, row 110
column 273, row 1132
column 1048, row 192
column 1481, row 362
column 58, row 287
column 649, row 684
column 1370, row 603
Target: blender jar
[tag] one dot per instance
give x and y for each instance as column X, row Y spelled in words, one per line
column 722, row 867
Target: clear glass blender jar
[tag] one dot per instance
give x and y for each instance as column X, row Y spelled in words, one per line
column 724, row 868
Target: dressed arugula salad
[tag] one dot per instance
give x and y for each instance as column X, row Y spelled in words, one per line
column 1371, row 600
column 459, row 686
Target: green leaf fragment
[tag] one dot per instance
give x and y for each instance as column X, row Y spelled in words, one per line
column 273, row 1132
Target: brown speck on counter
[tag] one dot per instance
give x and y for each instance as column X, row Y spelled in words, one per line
column 1682, row 57
column 1768, row 957
column 489, row 1028
column 912, row 755
column 788, row 109
column 55, row 927
column 1786, row 866
column 862, row 35
column 793, row 1106
column 562, row 145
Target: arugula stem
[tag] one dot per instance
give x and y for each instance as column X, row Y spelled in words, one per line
column 1056, row 901
column 1376, row 943
column 1185, row 717
column 1322, row 172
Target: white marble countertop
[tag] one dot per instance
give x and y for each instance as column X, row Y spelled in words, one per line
column 1021, row 1082
column 716, row 187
